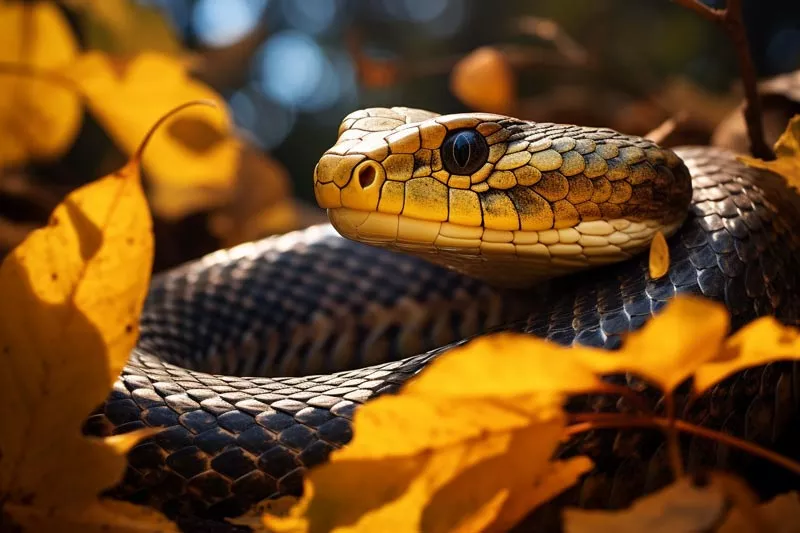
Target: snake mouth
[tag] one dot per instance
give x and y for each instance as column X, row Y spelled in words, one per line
column 484, row 253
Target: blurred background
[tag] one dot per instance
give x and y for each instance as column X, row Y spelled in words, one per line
column 290, row 70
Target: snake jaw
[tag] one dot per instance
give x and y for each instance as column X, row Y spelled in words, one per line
column 408, row 179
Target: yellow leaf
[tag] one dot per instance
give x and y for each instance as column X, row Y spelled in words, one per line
column 560, row 476
column 659, row 256
column 192, row 164
column 787, row 152
column 760, row 342
column 671, row 346
column 39, row 117
column 484, row 80
column 253, row 518
column 105, row 516
column 453, row 449
column 261, row 203
column 678, row 508
column 123, row 27
column 72, row 295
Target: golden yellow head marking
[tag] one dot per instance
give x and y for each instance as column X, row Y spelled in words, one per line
column 489, row 194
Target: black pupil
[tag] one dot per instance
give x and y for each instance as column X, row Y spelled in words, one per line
column 462, row 149
column 464, row 152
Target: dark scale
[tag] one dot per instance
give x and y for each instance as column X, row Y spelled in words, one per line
column 230, row 441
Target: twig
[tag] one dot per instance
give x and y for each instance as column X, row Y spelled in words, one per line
column 667, row 128
column 731, row 20
column 549, row 30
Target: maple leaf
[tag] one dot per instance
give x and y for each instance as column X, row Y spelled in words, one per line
column 453, row 449
column 39, row 118
column 72, row 294
column 787, row 152
column 192, row 165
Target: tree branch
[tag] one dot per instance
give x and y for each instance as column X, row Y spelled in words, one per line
column 732, row 21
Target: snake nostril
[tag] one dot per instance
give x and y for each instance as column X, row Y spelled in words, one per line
column 366, row 176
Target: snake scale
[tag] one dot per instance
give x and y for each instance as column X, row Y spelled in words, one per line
column 254, row 359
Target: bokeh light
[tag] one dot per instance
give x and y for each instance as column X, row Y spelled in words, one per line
column 269, row 122
column 224, row 22
column 440, row 18
column 295, row 71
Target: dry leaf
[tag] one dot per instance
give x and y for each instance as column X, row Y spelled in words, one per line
column 484, row 80
column 787, row 152
column 659, row 256
column 39, row 117
column 453, row 449
column 72, row 295
column 192, row 163
column 779, row 515
column 678, row 508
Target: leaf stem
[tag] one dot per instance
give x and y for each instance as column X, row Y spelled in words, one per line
column 137, row 155
column 671, row 434
column 582, row 423
column 635, row 399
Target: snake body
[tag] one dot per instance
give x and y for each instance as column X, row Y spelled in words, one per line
column 327, row 323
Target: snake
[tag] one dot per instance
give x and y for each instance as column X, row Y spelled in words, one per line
column 252, row 361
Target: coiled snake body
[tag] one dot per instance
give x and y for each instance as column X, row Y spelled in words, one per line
column 328, row 323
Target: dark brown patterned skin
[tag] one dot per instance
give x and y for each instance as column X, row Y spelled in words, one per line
column 229, row 441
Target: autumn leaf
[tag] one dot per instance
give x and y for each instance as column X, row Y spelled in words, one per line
column 671, row 347
column 760, row 342
column 72, row 294
column 659, row 256
column 453, row 449
column 683, row 507
column 192, row 164
column 787, row 152
column 107, row 516
column 39, row 118
column 678, row 508
column 123, row 27
column 485, row 80
column 261, row 203
column 778, row 515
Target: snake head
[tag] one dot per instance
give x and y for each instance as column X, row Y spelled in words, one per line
column 498, row 198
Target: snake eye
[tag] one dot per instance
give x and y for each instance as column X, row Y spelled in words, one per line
column 464, row 152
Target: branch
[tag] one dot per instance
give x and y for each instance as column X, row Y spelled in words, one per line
column 708, row 13
column 732, row 21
